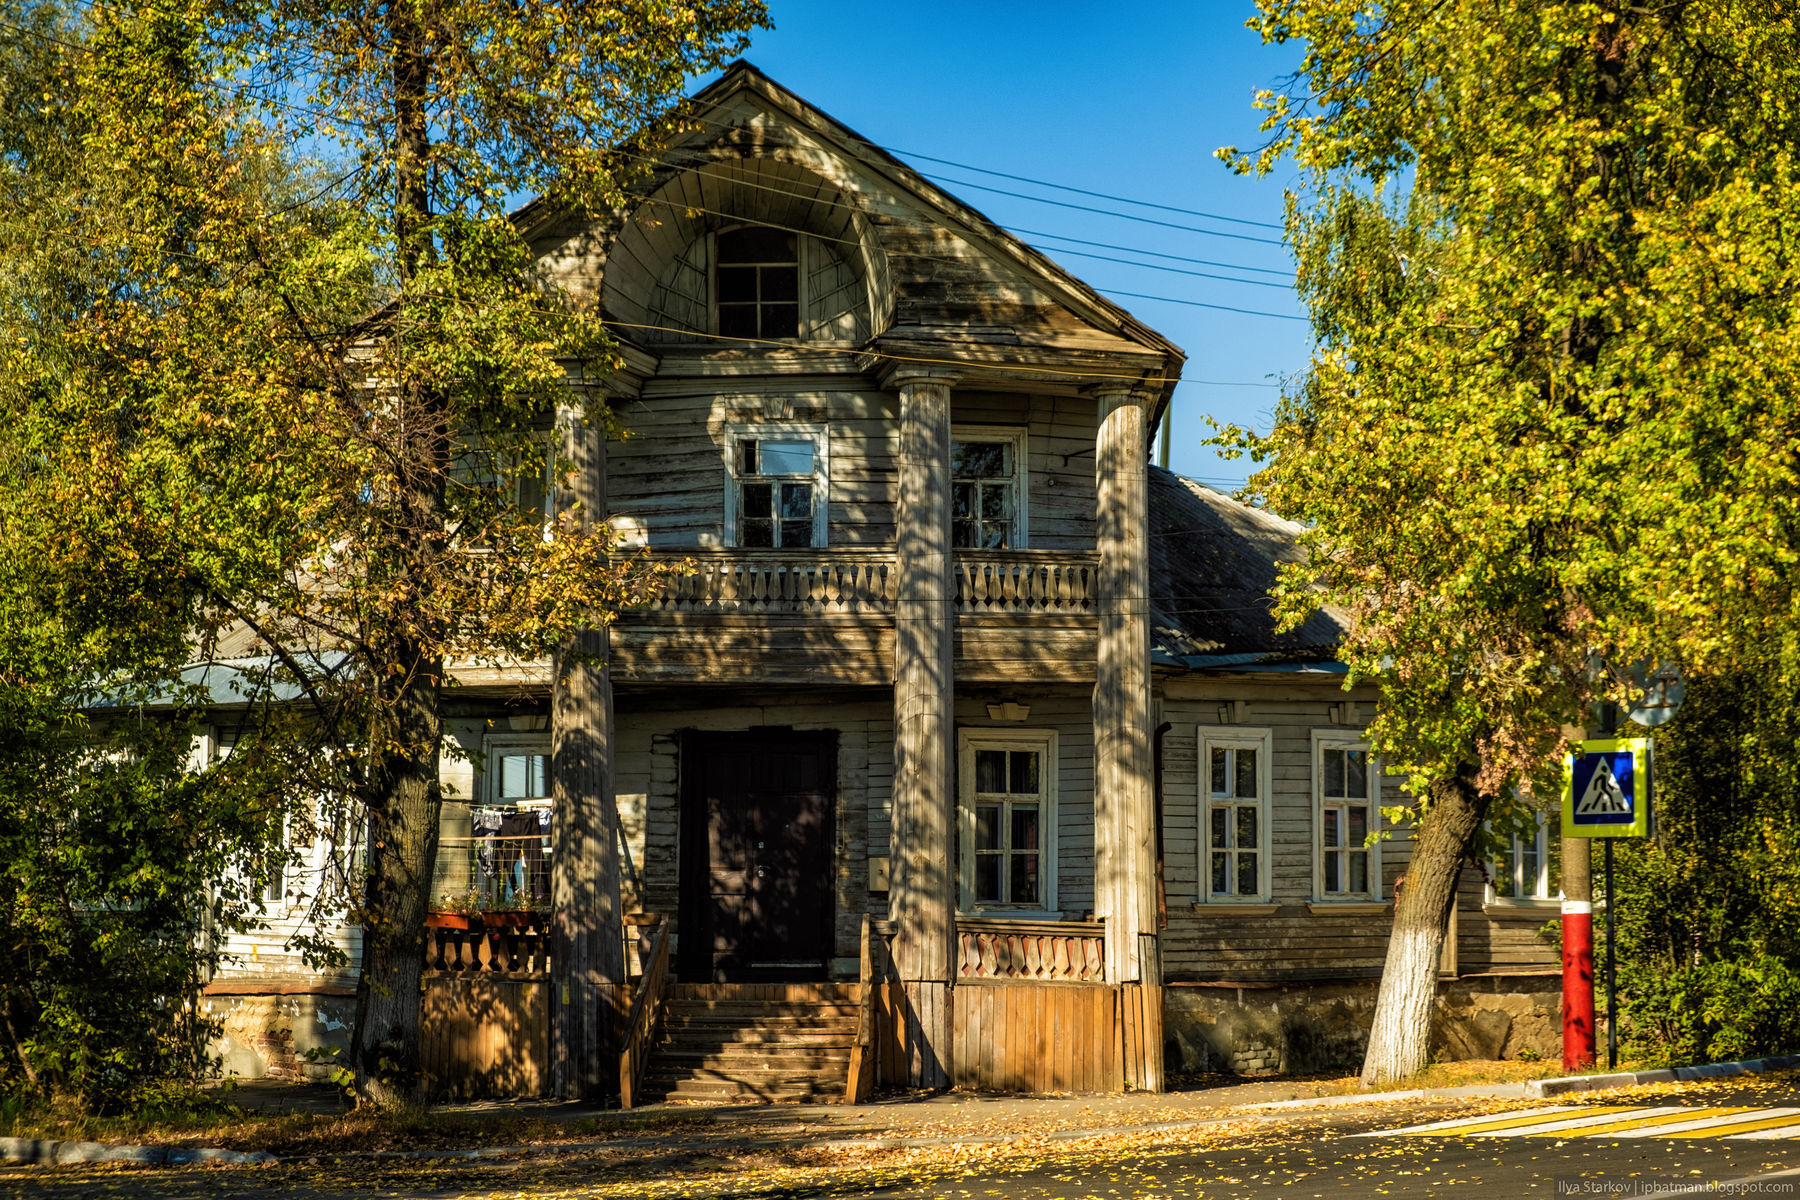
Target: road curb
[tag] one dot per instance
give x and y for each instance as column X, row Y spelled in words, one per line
column 1594, row 1083
column 43, row 1150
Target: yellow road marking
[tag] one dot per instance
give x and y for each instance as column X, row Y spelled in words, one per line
column 1538, row 1117
column 1748, row 1125
column 1686, row 1114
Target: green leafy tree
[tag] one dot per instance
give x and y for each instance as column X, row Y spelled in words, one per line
column 346, row 394
column 1547, row 427
column 122, row 855
column 1708, row 910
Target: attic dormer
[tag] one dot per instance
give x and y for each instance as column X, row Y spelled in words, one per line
column 747, row 252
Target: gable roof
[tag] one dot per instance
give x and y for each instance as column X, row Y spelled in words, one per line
column 1213, row 562
column 944, row 256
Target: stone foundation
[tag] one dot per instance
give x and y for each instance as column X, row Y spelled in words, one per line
column 1302, row 1028
column 268, row 1033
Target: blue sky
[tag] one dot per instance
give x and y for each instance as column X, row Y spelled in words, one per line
column 1126, row 99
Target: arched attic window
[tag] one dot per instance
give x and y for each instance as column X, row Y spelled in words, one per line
column 760, row 282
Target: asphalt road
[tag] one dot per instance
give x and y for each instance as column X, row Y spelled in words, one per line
column 1670, row 1145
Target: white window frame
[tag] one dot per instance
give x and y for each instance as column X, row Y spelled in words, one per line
column 1540, row 896
column 1233, row 738
column 494, row 746
column 1019, row 438
column 781, row 431
column 1331, row 739
column 1044, row 741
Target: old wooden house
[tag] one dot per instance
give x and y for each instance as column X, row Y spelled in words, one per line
column 968, row 752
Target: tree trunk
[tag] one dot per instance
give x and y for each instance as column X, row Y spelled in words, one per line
column 1400, row 1040
column 403, row 836
column 406, row 670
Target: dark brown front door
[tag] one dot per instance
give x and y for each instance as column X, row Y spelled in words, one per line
column 757, row 898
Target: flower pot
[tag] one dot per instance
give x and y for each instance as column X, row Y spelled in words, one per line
column 507, row 919
column 451, row 920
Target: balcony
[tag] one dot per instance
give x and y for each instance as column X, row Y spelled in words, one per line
column 987, row 582
column 827, row 617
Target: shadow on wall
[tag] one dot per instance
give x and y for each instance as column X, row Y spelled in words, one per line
column 1298, row 1029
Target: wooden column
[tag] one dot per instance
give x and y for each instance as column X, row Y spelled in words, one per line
column 922, row 897
column 1124, row 793
column 588, row 963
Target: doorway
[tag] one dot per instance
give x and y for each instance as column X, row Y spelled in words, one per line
column 758, row 897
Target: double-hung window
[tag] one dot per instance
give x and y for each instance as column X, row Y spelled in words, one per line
column 987, row 497
column 1528, row 866
column 1346, row 808
column 777, row 488
column 1234, row 815
column 1008, row 825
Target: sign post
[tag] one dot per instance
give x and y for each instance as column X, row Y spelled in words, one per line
column 1607, row 796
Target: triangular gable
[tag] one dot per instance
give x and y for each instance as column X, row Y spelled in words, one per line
column 956, row 277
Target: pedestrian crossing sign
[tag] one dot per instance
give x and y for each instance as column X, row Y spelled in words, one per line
column 1607, row 789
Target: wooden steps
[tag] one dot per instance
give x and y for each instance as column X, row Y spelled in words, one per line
column 749, row 1042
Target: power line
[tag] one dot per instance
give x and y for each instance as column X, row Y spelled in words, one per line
column 1063, row 187
column 1249, row 312
column 822, row 200
column 1204, row 262
column 685, row 207
column 1107, row 212
column 1172, row 270
column 717, row 124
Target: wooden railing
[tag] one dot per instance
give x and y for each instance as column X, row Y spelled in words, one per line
column 776, row 581
column 867, row 581
column 1039, row 951
column 861, row 1082
column 640, row 1021
column 1016, row 581
column 502, row 943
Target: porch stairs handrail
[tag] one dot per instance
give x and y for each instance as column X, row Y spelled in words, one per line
column 860, row 1084
column 640, row 1023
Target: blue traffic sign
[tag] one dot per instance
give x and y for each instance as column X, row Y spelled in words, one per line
column 1607, row 791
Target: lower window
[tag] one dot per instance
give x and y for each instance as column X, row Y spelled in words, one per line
column 1529, row 868
column 1346, row 808
column 1234, row 814
column 1007, row 790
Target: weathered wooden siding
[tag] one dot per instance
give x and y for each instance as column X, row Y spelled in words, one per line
column 666, row 482
column 1060, row 444
column 1294, row 941
column 1501, row 938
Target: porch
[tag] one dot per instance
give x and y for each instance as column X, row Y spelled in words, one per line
column 1030, row 1013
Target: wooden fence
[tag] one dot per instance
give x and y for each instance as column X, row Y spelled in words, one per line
column 484, row 1020
column 1030, row 1012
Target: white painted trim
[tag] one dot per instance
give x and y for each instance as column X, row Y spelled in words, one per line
column 1540, row 890
column 968, row 740
column 1343, row 740
column 1020, row 438
column 1223, row 909
column 1233, row 737
column 494, row 745
column 820, row 436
